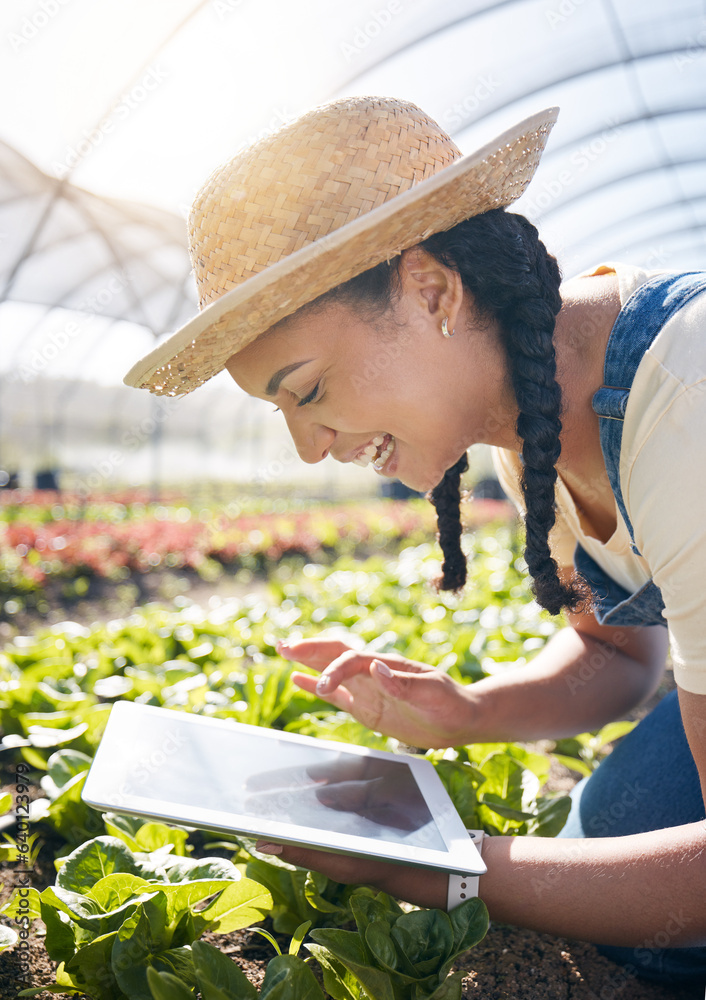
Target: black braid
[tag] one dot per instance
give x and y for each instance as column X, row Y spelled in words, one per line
column 446, row 497
column 513, row 278
column 515, row 281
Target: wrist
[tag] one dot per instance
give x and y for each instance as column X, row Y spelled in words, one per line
column 421, row 887
column 463, row 726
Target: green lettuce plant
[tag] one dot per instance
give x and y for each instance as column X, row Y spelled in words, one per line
column 398, row 955
column 496, row 787
column 287, row 977
column 115, row 913
column 299, row 895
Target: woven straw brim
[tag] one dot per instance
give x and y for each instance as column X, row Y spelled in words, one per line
column 492, row 177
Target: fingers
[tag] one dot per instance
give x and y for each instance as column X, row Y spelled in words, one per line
column 336, row 866
column 385, row 677
column 312, row 860
column 331, row 684
column 348, row 664
column 315, row 653
column 321, row 653
column 340, row 698
column 265, row 847
column 342, row 667
column 417, row 689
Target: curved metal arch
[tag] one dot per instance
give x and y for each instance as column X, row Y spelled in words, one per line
column 85, row 211
column 136, row 300
column 579, row 74
column 667, row 234
column 61, row 304
column 556, row 149
column 179, row 294
column 636, row 216
column 82, row 203
column 448, row 26
column 614, row 182
column 33, row 237
column 63, row 182
column 627, row 59
column 125, row 209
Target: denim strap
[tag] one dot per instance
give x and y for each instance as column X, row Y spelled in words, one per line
column 638, row 323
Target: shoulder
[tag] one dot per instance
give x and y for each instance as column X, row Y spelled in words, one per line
column 627, row 276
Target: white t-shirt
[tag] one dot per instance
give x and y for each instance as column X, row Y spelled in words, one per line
column 663, row 479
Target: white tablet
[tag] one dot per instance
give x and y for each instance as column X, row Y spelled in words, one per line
column 221, row 775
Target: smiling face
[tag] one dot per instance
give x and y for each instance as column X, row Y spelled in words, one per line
column 391, row 391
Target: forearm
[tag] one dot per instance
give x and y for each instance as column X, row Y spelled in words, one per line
column 645, row 890
column 620, row 890
column 577, row 683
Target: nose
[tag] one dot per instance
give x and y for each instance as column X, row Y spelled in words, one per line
column 311, row 439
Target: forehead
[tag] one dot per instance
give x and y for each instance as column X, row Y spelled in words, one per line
column 252, row 368
column 321, row 334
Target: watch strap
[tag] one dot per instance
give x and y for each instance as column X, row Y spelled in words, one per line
column 463, row 887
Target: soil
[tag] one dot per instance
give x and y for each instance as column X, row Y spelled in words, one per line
column 509, row 964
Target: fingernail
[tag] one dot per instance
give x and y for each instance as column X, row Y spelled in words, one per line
column 282, row 647
column 323, row 684
column 269, row 848
column 383, row 668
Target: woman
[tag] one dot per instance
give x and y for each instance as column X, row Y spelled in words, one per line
column 358, row 232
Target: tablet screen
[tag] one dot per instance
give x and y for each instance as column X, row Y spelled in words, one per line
column 220, row 774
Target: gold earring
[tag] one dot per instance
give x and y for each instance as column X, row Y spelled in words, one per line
column 445, row 327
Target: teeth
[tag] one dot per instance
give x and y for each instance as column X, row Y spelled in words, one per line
column 366, row 456
column 379, row 464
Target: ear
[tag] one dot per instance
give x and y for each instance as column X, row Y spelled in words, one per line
column 431, row 285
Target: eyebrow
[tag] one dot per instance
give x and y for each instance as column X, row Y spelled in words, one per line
column 276, row 380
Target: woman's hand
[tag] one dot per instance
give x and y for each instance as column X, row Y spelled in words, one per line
column 410, row 701
column 423, row 888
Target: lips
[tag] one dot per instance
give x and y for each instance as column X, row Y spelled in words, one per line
column 378, row 452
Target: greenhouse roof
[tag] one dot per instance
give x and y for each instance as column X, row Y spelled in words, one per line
column 121, row 109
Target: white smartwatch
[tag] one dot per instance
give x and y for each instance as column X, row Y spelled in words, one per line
column 462, row 887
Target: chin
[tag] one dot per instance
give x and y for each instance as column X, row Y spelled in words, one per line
column 420, row 481
column 424, row 480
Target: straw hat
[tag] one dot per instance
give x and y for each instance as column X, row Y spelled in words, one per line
column 335, row 192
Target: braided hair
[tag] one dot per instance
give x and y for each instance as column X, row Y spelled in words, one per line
column 446, row 497
column 515, row 281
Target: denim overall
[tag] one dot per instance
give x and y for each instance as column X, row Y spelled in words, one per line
column 649, row 781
